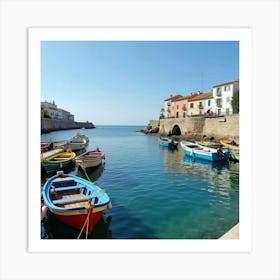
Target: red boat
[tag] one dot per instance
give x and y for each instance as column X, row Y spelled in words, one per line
column 75, row 201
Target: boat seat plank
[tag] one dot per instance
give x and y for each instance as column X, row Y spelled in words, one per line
column 59, row 179
column 73, row 200
column 66, row 188
column 63, row 183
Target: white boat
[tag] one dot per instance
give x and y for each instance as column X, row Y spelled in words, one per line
column 90, row 159
column 202, row 152
column 78, row 142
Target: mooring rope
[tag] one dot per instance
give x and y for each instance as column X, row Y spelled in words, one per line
column 86, row 223
column 84, row 169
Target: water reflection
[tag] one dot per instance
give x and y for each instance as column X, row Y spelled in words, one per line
column 92, row 174
column 204, row 164
column 216, row 173
column 219, row 179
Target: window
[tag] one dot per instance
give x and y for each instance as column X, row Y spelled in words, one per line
column 219, row 102
column 191, row 105
column 219, row 91
column 227, row 88
column 209, row 102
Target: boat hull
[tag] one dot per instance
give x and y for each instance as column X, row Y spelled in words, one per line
column 78, row 221
column 166, row 142
column 78, row 142
column 234, row 156
column 75, row 201
column 76, row 146
column 84, row 164
column 58, row 161
column 234, row 149
column 52, row 167
column 77, row 218
column 204, row 153
column 90, row 159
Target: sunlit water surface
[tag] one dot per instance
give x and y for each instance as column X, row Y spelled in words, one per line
column 155, row 192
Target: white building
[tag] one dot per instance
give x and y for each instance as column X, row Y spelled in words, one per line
column 222, row 96
column 54, row 112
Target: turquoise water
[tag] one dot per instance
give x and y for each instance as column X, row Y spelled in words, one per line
column 156, row 193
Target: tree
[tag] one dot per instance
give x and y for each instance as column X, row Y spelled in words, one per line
column 235, row 103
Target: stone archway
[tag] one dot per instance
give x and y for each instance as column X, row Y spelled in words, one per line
column 176, row 130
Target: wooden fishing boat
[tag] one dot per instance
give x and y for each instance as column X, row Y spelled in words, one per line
column 56, row 160
column 233, row 146
column 229, row 143
column 75, row 201
column 77, row 142
column 45, row 146
column 210, row 144
column 234, row 155
column 167, row 142
column 202, row 152
column 50, row 145
column 90, row 159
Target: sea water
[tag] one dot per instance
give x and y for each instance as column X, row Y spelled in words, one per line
column 156, row 193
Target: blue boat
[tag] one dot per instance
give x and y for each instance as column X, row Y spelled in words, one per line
column 75, row 201
column 167, row 142
column 206, row 153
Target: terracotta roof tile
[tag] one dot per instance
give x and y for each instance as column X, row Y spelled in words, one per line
column 173, row 98
column 187, row 97
column 202, row 96
column 226, row 83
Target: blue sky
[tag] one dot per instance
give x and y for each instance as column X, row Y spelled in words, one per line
column 126, row 82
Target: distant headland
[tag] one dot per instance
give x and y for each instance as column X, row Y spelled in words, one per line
column 54, row 118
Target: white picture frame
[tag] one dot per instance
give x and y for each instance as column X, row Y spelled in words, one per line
column 16, row 259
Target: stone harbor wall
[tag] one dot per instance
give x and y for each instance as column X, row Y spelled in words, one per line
column 48, row 125
column 196, row 127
